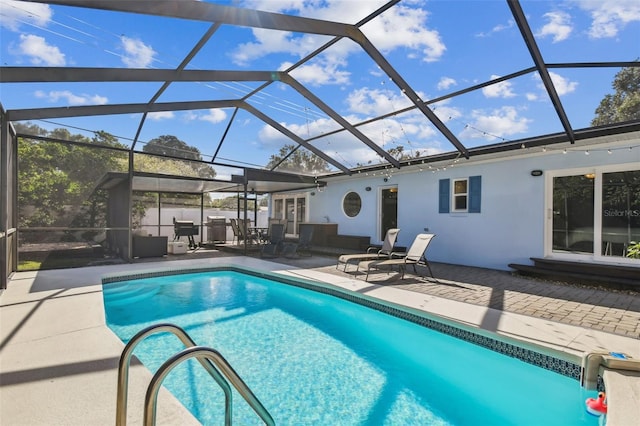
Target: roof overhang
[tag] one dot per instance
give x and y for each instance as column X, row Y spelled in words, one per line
column 254, row 181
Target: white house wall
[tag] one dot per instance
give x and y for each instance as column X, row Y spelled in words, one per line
column 509, row 228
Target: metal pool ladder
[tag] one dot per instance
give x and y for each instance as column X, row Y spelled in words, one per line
column 207, row 357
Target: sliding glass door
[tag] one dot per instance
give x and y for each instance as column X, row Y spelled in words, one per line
column 620, row 211
column 573, row 224
column 595, row 214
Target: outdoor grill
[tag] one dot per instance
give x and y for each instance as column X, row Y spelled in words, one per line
column 185, row 228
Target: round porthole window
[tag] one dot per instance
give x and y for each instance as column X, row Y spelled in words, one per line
column 352, row 204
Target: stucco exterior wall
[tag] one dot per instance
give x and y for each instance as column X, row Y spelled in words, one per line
column 510, row 227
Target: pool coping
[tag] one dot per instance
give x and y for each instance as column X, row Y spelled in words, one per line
column 45, row 313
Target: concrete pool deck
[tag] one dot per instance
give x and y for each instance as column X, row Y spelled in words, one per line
column 59, row 360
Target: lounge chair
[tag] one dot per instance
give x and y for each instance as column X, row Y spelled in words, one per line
column 372, row 252
column 415, row 256
column 276, row 241
column 303, row 246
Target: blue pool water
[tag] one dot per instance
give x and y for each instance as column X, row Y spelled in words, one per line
column 315, row 359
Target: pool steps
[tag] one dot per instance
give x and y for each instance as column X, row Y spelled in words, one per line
column 220, row 372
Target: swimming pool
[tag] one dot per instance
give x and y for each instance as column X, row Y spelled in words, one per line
column 314, row 358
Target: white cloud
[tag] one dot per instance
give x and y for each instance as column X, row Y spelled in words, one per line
column 160, row 115
column 71, row 98
column 563, row 85
column 39, row 51
column 214, row 116
column 559, row 26
column 318, row 73
column 272, row 41
column 531, row 96
column 373, row 102
column 446, row 82
column 404, row 27
column 499, row 123
column 410, row 130
column 331, row 10
column 502, row 89
column 398, row 27
column 610, row 16
column 445, row 112
column 15, row 13
column 498, row 28
column 136, row 53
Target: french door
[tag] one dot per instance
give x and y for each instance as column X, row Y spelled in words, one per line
column 593, row 213
column 292, row 209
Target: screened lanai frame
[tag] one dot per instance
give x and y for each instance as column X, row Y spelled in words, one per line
column 529, row 58
column 318, row 142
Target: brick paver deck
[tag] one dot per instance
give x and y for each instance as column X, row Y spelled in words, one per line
column 613, row 311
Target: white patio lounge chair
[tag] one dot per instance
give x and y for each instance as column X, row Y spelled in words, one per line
column 372, row 252
column 415, row 256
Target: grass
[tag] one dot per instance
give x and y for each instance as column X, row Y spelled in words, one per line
column 54, row 262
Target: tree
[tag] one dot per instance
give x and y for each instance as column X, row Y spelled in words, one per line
column 300, row 161
column 174, row 147
column 624, row 104
column 231, row 203
column 57, row 180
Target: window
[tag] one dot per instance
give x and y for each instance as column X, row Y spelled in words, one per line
column 352, row 204
column 463, row 196
column 460, row 195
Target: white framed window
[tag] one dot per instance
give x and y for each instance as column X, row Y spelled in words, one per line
column 460, row 195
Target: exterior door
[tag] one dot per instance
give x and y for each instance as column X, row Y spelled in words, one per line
column 594, row 214
column 292, row 209
column 388, row 210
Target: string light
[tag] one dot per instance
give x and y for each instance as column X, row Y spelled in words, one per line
column 589, row 151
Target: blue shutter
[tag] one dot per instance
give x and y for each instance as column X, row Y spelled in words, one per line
column 475, row 190
column 444, row 196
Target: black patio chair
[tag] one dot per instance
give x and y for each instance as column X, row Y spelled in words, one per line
column 273, row 246
column 303, row 246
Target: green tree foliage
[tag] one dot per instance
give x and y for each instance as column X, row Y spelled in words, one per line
column 57, row 180
column 624, row 104
column 231, row 203
column 401, row 155
column 172, row 146
column 300, row 161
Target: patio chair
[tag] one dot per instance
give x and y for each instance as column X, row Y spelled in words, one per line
column 303, row 246
column 276, row 241
column 264, row 236
column 249, row 233
column 237, row 234
column 372, row 252
column 415, row 256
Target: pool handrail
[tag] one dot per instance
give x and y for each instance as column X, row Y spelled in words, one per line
column 125, row 361
column 210, row 354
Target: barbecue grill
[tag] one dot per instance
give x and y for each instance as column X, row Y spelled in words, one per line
column 185, row 228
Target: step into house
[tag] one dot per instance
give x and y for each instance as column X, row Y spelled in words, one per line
column 608, row 275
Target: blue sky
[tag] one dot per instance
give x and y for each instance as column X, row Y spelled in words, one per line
column 438, row 47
